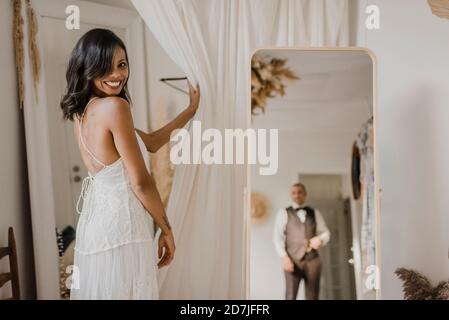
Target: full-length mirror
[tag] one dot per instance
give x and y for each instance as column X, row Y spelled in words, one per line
column 313, row 223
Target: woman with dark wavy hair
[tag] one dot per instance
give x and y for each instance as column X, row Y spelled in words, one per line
column 114, row 253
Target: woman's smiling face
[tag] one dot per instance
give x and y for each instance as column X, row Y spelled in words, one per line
column 113, row 83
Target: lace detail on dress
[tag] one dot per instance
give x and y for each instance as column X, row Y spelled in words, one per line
column 111, row 214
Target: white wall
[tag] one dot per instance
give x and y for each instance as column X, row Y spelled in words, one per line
column 14, row 200
column 412, row 51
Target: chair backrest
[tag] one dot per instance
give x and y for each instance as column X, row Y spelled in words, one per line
column 13, row 274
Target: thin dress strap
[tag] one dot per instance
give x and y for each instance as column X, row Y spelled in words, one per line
column 81, row 136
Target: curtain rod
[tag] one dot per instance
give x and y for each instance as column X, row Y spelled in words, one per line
column 165, row 80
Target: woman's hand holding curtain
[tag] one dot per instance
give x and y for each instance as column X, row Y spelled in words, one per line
column 155, row 140
column 194, row 94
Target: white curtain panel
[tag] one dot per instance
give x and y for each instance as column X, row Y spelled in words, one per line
column 212, row 42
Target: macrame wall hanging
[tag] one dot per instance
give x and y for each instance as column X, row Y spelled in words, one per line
column 440, row 8
column 269, row 78
column 33, row 51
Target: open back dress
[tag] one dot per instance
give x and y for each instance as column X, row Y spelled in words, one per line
column 114, row 249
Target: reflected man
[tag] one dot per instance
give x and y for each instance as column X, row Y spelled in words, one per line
column 299, row 232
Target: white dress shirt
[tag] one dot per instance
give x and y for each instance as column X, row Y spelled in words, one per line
column 281, row 223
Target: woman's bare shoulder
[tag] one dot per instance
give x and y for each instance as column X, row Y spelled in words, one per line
column 112, row 103
column 114, row 108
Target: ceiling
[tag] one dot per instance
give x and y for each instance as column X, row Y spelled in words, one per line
column 334, row 93
column 126, row 4
column 321, row 61
column 326, row 76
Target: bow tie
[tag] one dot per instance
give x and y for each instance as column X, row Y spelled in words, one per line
column 301, row 213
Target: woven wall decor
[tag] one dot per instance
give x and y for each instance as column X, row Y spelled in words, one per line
column 259, row 206
column 440, row 8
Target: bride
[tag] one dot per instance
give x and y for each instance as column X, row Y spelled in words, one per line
column 114, row 252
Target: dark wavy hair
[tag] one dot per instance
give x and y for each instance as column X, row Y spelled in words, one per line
column 90, row 59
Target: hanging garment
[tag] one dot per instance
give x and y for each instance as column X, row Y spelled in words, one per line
column 114, row 248
column 364, row 144
column 212, row 42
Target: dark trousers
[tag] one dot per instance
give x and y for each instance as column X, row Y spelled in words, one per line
column 310, row 271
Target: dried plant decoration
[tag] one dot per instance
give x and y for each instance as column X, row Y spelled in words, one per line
column 269, row 77
column 18, row 48
column 32, row 45
column 161, row 166
column 162, row 172
column 418, row 287
column 64, row 292
column 259, row 207
column 440, row 8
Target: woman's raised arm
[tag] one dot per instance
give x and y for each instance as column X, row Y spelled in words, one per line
column 156, row 139
column 121, row 125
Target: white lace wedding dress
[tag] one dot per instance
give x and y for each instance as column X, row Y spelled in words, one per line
column 114, row 249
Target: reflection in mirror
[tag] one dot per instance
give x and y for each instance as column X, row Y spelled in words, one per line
column 316, row 238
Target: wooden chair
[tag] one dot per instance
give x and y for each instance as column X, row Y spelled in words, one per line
column 13, row 274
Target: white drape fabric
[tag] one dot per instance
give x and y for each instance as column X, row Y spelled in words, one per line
column 212, row 42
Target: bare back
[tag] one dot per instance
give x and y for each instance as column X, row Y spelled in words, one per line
column 95, row 140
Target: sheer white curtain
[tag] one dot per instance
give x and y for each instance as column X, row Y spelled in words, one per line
column 212, row 42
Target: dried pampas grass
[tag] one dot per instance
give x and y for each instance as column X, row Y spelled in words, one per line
column 18, row 48
column 162, row 172
column 268, row 80
column 440, row 8
column 161, row 166
column 418, row 287
column 33, row 50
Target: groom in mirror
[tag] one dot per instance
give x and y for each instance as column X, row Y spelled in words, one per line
column 300, row 231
